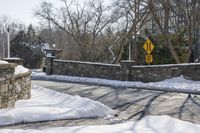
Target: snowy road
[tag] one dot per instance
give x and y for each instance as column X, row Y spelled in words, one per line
column 129, row 103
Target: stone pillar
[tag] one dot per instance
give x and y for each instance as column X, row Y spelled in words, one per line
column 7, row 86
column 51, row 54
column 49, row 65
column 125, row 69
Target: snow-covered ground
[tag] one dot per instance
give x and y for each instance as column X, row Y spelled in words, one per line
column 177, row 84
column 149, row 124
column 47, row 105
column 51, row 105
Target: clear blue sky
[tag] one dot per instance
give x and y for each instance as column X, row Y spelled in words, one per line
column 21, row 10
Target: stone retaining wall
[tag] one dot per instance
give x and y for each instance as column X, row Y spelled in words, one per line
column 13, row 87
column 23, row 85
column 7, row 91
column 161, row 72
column 86, row 69
column 125, row 71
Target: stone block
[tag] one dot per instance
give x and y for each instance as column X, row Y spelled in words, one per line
column 13, row 85
column 3, row 88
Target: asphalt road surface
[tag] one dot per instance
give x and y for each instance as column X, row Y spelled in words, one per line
column 130, row 103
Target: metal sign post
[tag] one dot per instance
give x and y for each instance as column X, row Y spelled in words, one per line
column 8, row 39
column 3, row 47
column 129, row 54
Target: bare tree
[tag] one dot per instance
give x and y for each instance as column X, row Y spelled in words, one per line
column 83, row 23
column 163, row 24
column 133, row 14
column 187, row 13
column 175, row 15
column 90, row 28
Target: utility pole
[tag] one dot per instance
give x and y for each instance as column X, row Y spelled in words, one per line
column 8, row 39
column 129, row 55
column 3, row 44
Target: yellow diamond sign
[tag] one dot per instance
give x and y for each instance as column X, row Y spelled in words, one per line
column 148, row 46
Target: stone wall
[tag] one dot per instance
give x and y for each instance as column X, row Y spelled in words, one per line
column 125, row 71
column 7, row 91
column 160, row 72
column 86, row 69
column 23, row 85
column 13, row 87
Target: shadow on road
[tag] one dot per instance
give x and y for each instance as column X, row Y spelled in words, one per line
column 130, row 103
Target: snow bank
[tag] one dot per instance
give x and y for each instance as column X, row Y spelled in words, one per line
column 48, row 105
column 168, row 65
column 88, row 63
column 149, row 124
column 20, row 70
column 3, row 62
column 178, row 84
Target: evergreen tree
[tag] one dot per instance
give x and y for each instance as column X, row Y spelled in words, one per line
column 27, row 46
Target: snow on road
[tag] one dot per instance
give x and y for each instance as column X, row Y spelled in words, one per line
column 149, row 124
column 177, row 84
column 48, row 105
